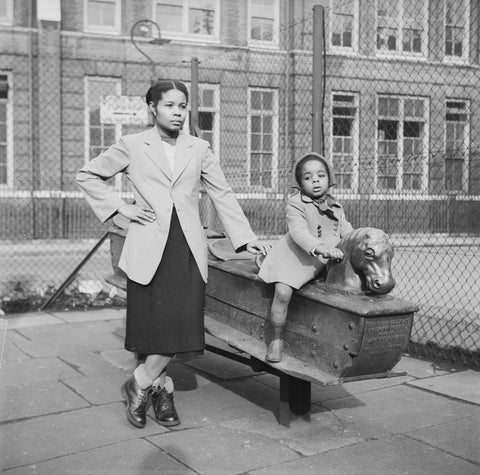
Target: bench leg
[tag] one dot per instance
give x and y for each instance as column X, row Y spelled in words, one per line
column 295, row 396
column 300, row 396
column 284, row 403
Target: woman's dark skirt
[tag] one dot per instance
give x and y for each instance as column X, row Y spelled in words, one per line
column 166, row 316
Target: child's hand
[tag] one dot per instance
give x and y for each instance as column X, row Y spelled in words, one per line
column 334, row 254
column 258, row 247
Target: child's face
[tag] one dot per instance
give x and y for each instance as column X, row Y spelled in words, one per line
column 314, row 179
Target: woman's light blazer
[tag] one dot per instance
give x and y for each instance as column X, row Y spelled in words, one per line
column 142, row 158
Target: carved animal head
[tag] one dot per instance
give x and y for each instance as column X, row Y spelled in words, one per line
column 366, row 266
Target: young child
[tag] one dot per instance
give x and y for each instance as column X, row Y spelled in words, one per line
column 316, row 223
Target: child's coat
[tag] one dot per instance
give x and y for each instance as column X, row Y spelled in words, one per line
column 309, row 224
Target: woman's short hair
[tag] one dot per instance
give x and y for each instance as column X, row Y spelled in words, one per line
column 156, row 91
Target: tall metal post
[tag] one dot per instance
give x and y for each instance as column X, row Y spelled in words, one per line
column 194, row 130
column 318, row 80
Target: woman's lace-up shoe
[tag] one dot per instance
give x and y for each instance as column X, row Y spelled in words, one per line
column 137, row 400
column 163, row 405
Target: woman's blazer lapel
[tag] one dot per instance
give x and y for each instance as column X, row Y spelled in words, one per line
column 155, row 152
column 184, row 152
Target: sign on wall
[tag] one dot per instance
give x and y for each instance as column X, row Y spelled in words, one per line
column 123, row 110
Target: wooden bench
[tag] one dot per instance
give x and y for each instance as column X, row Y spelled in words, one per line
column 330, row 337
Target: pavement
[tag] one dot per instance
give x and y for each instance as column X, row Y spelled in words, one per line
column 61, row 412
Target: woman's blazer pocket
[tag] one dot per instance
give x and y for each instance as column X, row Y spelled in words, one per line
column 143, row 251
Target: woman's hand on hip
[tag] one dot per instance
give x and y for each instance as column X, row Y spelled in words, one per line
column 137, row 213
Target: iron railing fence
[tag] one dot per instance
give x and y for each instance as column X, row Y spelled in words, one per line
column 399, row 97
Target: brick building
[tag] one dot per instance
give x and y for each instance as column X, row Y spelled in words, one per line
column 402, row 89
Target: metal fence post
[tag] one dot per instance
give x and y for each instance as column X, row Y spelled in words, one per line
column 194, row 130
column 318, row 80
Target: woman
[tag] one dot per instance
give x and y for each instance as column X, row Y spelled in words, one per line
column 165, row 251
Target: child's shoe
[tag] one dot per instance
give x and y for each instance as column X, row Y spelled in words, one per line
column 274, row 341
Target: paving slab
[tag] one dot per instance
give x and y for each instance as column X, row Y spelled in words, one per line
column 321, row 392
column 29, row 400
column 212, row 404
column 11, row 351
column 397, row 410
column 99, row 389
column 321, row 433
column 89, row 315
column 42, row 438
column 120, row 358
column 465, row 442
column 34, row 371
column 397, row 455
column 186, row 378
column 464, row 385
column 93, row 362
column 33, row 319
column 419, row 368
column 65, row 339
column 133, row 457
column 251, row 390
column 221, row 450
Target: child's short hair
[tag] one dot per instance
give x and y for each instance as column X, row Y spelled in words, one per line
column 314, row 156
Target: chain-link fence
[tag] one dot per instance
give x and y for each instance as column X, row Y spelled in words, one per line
column 400, row 91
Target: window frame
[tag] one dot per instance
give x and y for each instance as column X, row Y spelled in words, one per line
column 9, row 133
column 355, row 30
column 7, row 20
column 215, row 87
column 399, row 52
column 466, row 160
column 115, row 30
column 399, row 185
column 449, row 58
column 185, row 33
column 118, row 127
column 275, row 136
column 355, row 141
column 275, row 41
column 215, row 109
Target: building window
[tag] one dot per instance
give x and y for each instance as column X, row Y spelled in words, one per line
column 345, row 140
column 401, row 143
column 192, row 18
column 6, row 12
column 263, row 137
column 402, row 26
column 456, row 29
column 456, row 145
column 102, row 16
column 98, row 136
column 344, row 24
column 6, row 132
column 208, row 115
column 263, row 22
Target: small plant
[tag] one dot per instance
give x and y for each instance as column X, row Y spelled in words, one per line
column 21, row 295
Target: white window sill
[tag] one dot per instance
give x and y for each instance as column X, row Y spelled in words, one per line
column 102, row 31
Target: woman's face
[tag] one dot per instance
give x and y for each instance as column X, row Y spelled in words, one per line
column 171, row 111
